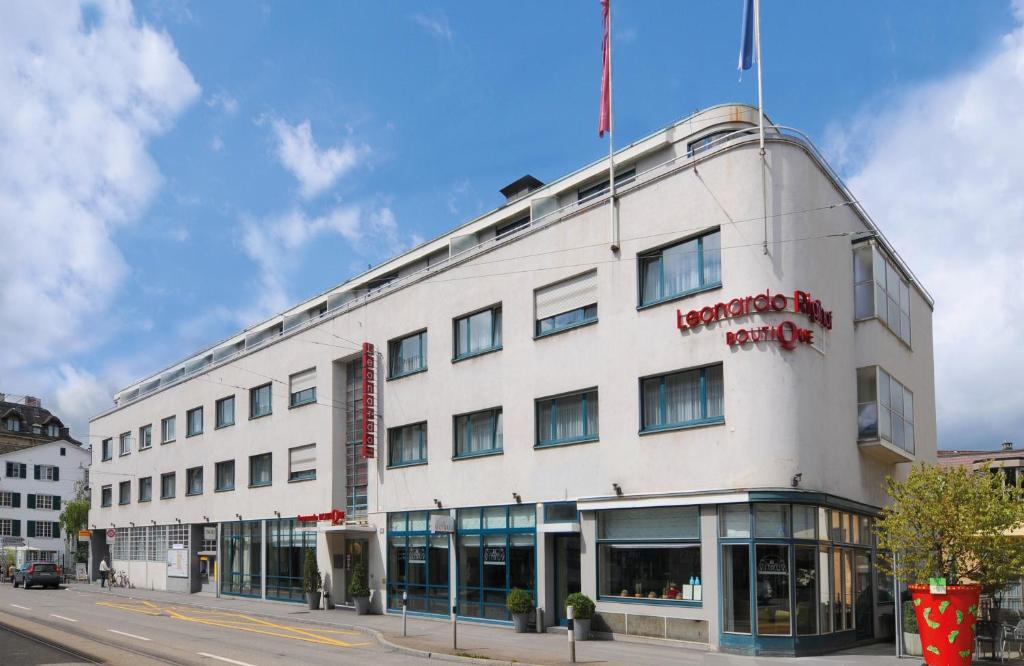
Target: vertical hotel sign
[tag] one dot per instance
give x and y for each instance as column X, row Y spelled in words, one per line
column 369, row 400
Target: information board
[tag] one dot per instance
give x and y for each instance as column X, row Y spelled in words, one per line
column 177, row 562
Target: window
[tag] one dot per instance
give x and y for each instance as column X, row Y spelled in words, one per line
column 260, row 470
column 125, row 443
column 47, row 473
column 497, row 552
column 145, row 437
column 302, row 463
column 302, row 387
column 418, row 563
column 885, row 408
column 566, row 304
column 146, row 489
column 124, row 492
column 37, row 429
column 407, row 355
column 567, row 419
column 17, row 470
column 167, row 427
column 47, row 502
column 706, row 142
column 10, row 527
column 194, row 422
column 594, row 191
column 681, row 399
column 407, row 445
column 106, row 495
column 259, row 401
column 479, row 433
column 13, row 424
column 107, row 449
column 42, row 529
column 880, row 290
column 509, row 228
column 9, row 499
column 194, row 481
column 681, row 269
column 650, row 554
column 225, row 473
column 63, row 451
column 53, row 430
column 167, row 485
column 478, row 333
column 225, row 412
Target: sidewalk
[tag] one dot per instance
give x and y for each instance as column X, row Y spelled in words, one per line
column 489, row 644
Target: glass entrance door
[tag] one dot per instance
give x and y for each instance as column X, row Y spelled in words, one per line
column 864, row 601
column 567, row 572
column 355, row 552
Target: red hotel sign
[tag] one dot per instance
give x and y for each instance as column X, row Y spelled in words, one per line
column 786, row 333
column 369, row 400
column 334, row 515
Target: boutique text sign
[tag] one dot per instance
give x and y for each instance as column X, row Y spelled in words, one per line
column 786, row 334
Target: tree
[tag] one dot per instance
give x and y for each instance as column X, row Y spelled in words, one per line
column 953, row 523
column 75, row 515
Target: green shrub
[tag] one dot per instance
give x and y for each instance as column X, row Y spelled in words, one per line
column 519, row 601
column 582, row 605
column 909, row 618
column 357, row 585
column 310, row 573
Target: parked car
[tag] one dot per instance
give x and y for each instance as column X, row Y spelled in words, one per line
column 44, row 574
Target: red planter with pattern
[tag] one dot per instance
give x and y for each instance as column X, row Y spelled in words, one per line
column 947, row 623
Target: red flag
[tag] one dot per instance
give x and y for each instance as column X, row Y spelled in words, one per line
column 604, row 121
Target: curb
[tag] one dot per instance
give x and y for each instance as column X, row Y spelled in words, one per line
column 373, row 633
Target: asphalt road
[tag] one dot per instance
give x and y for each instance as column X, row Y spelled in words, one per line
column 116, row 630
column 18, row 649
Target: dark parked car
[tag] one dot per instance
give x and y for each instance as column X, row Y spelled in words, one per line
column 45, row 574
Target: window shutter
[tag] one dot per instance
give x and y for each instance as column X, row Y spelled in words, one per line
column 55, row 530
column 304, row 380
column 56, row 502
column 303, row 459
column 23, row 470
column 15, row 500
column 567, row 295
column 10, row 469
column 31, row 532
column 35, row 471
column 15, row 527
column 30, row 502
column 56, row 473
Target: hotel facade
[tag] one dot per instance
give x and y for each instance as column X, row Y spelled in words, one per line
column 686, row 410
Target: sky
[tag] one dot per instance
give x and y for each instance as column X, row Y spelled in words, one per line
column 173, row 172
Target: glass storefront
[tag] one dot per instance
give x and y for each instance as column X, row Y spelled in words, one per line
column 287, row 544
column 418, row 563
column 241, row 545
column 496, row 552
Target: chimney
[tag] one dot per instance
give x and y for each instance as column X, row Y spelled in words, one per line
column 1007, row 446
column 32, row 401
column 520, row 188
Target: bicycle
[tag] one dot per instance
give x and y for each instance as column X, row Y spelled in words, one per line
column 120, row 579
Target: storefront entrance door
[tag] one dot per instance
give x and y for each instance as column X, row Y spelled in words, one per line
column 355, row 552
column 567, row 571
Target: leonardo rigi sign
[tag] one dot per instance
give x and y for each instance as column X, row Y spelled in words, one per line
column 369, row 400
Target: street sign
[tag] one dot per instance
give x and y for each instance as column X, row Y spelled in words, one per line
column 84, row 535
column 13, row 541
column 442, row 525
column 111, row 535
column 209, row 534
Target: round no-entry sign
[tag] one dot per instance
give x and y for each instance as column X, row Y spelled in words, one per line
column 111, row 533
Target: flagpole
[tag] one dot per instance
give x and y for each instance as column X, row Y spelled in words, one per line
column 757, row 46
column 611, row 143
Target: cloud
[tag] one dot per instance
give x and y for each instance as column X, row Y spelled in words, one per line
column 223, row 101
column 940, row 169
column 79, row 396
column 436, row 24
column 315, row 169
column 456, row 194
column 81, row 94
column 217, row 144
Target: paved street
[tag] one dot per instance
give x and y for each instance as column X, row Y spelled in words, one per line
column 128, row 631
column 19, row 649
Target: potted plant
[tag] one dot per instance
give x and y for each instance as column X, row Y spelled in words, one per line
column 951, row 524
column 520, row 604
column 582, row 613
column 911, row 634
column 311, row 580
column 358, row 589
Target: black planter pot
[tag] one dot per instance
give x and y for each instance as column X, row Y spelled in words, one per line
column 314, row 600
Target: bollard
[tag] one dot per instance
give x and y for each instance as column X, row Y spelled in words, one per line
column 569, row 613
column 405, row 617
column 455, row 628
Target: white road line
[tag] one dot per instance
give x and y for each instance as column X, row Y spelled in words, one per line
column 21, row 607
column 230, row 661
column 123, row 633
column 61, row 617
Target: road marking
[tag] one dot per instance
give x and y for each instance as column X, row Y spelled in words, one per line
column 61, row 617
column 230, row 661
column 123, row 633
column 21, row 607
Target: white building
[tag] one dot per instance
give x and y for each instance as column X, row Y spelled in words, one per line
column 702, row 400
column 40, row 465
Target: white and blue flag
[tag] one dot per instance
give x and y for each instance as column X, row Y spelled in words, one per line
column 747, row 54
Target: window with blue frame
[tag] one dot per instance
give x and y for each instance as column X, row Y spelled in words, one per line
column 681, row 399
column 407, row 355
column 681, row 269
column 479, row 433
column 567, row 419
column 650, row 555
column 496, row 551
column 286, row 546
column 478, row 333
column 407, row 445
column 418, row 563
column 566, row 303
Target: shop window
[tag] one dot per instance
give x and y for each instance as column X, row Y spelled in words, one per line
column 496, row 550
column 681, row 269
column 224, row 409
column 241, row 547
column 885, row 408
column 407, row 355
column 773, row 602
column 167, row 429
column 681, row 399
column 225, row 475
column 804, row 521
column 302, row 388
column 561, row 512
column 146, row 489
column 260, row 470
column 734, row 521
column 407, row 445
column 286, row 548
column 478, row 333
column 302, row 463
column 418, row 564
column 194, row 422
column 806, row 600
column 771, row 521
column 736, row 588
column 567, row 419
column 881, row 290
column 479, row 433
column 145, row 437
column 566, row 304
column 260, row 401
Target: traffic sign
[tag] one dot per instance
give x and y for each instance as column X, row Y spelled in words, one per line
column 111, row 535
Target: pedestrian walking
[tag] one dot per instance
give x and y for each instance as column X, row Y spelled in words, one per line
column 104, row 569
